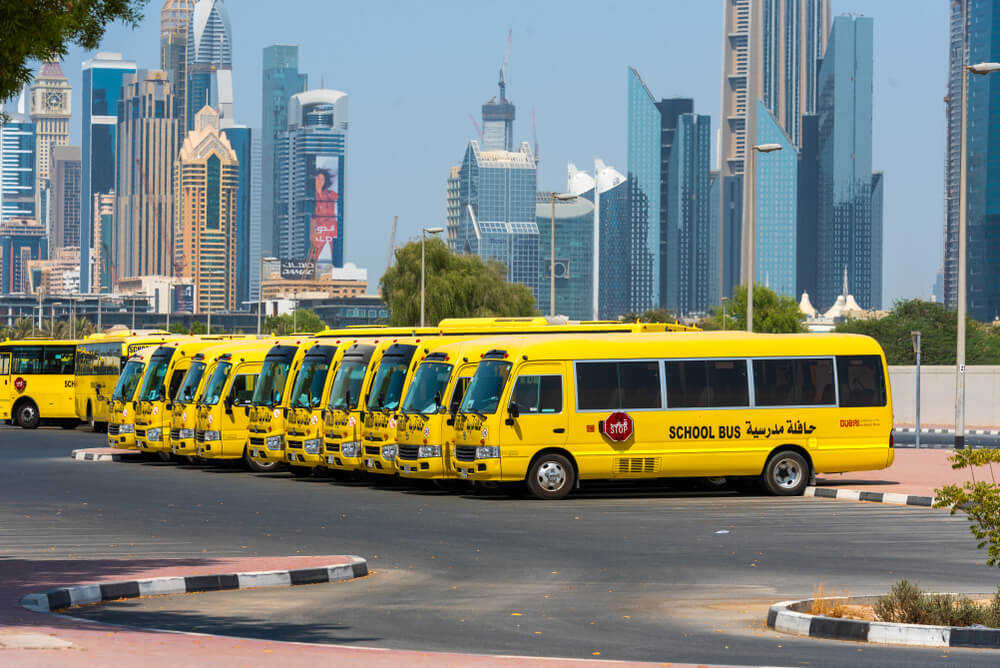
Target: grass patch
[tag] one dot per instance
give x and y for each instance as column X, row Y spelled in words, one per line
column 821, row 605
column 908, row 604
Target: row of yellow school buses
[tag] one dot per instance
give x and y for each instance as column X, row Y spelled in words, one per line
column 519, row 402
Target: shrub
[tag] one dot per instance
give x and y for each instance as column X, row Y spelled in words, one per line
column 907, row 604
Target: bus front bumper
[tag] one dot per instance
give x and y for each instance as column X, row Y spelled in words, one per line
column 344, row 456
column 121, row 436
column 267, row 449
column 380, row 459
column 152, row 439
column 304, row 452
column 425, row 468
column 483, row 470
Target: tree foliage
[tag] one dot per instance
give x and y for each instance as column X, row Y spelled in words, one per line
column 456, row 286
column 979, row 499
column 60, row 329
column 772, row 313
column 938, row 328
column 305, row 320
column 39, row 30
column 652, row 315
column 196, row 327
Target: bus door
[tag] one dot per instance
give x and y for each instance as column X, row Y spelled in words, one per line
column 5, row 387
column 535, row 414
column 236, row 410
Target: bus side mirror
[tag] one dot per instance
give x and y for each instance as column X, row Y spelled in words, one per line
column 228, row 402
column 513, row 411
column 437, row 398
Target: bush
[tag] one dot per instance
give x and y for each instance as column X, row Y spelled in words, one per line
column 907, row 604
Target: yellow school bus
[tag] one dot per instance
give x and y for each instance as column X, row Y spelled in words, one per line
column 224, row 406
column 553, row 411
column 36, row 382
column 121, row 414
column 100, row 359
column 164, row 373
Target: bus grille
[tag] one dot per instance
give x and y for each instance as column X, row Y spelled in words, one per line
column 199, row 436
column 408, row 452
column 333, row 447
column 637, row 464
column 372, row 450
column 465, row 453
column 140, row 433
column 296, row 445
column 175, row 434
column 113, row 429
column 257, row 441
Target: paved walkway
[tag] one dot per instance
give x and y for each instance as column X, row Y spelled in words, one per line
column 916, row 472
column 36, row 639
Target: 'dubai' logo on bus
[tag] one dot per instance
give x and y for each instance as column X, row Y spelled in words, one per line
column 619, row 426
column 20, row 384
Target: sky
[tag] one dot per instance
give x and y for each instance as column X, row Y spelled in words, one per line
column 415, row 71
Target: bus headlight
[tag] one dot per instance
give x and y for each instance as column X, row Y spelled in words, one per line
column 126, row 429
column 388, row 452
column 349, row 449
column 214, row 435
column 186, row 433
column 487, row 452
column 429, row 451
column 312, row 446
column 274, row 442
column 154, row 434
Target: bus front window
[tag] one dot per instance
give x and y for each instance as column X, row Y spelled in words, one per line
column 128, row 381
column 388, row 385
column 483, row 395
column 216, row 384
column 152, row 383
column 427, row 388
column 347, row 386
column 271, row 386
column 308, row 388
column 190, row 383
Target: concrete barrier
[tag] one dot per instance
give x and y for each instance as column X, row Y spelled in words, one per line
column 937, row 395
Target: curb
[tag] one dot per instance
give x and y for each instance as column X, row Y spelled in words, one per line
column 71, row 597
column 872, row 497
column 89, row 455
column 970, row 432
column 782, row 617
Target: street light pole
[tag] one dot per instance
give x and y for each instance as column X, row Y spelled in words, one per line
column 724, row 300
column 980, row 68
column 562, row 197
column 260, row 288
column 423, row 241
column 752, row 225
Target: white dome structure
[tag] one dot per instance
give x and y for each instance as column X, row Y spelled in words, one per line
column 806, row 307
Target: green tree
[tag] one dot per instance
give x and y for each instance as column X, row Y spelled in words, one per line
column 457, row 286
column 196, row 327
column 979, row 499
column 772, row 313
column 39, row 30
column 652, row 315
column 938, row 327
column 305, row 320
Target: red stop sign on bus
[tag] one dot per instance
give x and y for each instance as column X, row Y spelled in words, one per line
column 619, row 426
column 20, row 384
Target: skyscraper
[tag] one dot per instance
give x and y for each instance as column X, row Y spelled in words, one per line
column 497, row 191
column 256, row 189
column 102, row 84
column 574, row 256
column 174, row 18
column 454, row 204
column 775, row 219
column 691, row 238
column 66, row 175
column 957, row 59
column 498, row 113
column 50, row 112
column 21, row 240
column 281, row 80
column 241, row 140
column 808, row 210
column 142, row 231
column 209, row 60
column 17, row 165
column 845, row 229
column 670, row 111
column 644, row 164
column 772, row 51
column 206, row 184
column 309, row 205
column 102, row 274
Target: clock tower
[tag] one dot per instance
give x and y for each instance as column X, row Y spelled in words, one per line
column 50, row 112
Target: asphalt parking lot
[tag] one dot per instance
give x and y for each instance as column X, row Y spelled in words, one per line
column 653, row 573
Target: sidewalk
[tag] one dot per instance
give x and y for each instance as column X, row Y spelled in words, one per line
column 57, row 640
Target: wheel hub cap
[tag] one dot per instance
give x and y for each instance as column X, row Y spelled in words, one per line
column 787, row 473
column 551, row 476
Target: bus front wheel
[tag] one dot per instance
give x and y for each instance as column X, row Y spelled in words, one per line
column 27, row 415
column 258, row 467
column 786, row 473
column 551, row 476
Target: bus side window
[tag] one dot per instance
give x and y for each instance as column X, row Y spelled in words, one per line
column 242, row 392
column 57, row 361
column 538, row 394
column 4, row 364
column 861, row 381
column 27, row 360
column 461, row 385
column 175, row 383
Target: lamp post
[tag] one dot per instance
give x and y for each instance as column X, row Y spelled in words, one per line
column 562, row 197
column 423, row 239
column 260, row 288
column 724, row 300
column 983, row 69
column 915, row 338
column 752, row 225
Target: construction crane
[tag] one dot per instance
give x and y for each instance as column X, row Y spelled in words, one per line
column 504, row 69
column 392, row 241
column 475, row 123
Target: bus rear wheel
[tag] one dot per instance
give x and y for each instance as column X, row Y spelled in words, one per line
column 786, row 473
column 551, row 476
column 27, row 415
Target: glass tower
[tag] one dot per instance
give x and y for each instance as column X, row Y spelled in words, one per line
column 644, row 146
column 574, row 257
column 776, row 182
column 209, row 60
column 845, row 231
column 17, row 168
column 670, row 112
column 241, row 140
column 103, row 76
column 281, row 80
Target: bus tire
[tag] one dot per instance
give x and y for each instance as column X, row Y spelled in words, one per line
column 164, row 456
column 551, row 476
column 27, row 414
column 69, row 423
column 257, row 467
column 300, row 471
column 786, row 473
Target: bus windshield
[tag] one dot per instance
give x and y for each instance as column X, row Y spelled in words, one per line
column 427, row 388
column 190, row 383
column 152, row 382
column 308, row 390
column 271, row 387
column 128, row 381
column 216, row 384
column 388, row 385
column 347, row 386
column 483, row 395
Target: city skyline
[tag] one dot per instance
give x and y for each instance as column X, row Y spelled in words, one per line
column 381, row 89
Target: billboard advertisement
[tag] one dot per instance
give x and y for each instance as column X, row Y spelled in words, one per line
column 183, row 298
column 325, row 181
column 297, row 269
